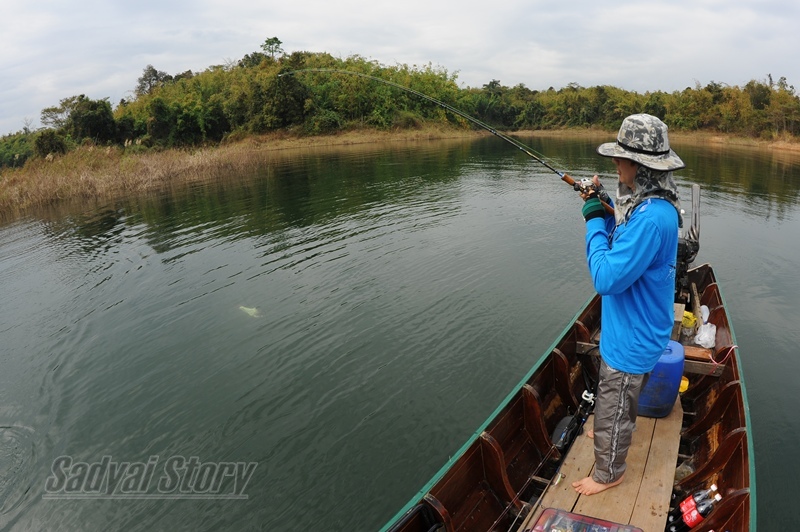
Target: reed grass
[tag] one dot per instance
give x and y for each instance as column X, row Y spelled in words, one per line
column 103, row 174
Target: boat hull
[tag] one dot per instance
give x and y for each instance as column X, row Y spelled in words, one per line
column 497, row 478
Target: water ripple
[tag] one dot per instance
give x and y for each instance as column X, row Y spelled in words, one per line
column 17, row 457
column 398, row 293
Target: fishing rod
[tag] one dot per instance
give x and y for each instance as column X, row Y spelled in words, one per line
column 585, row 186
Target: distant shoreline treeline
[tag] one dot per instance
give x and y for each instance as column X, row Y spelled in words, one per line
column 249, row 97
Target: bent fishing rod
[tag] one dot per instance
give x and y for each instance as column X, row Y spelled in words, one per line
column 585, row 186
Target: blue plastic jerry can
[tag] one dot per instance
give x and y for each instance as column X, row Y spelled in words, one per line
column 661, row 390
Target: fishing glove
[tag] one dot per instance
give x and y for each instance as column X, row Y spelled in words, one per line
column 593, row 208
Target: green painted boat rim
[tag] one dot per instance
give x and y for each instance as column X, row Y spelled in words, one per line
column 446, row 467
column 751, row 462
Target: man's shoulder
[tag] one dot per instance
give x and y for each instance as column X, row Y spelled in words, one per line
column 656, row 208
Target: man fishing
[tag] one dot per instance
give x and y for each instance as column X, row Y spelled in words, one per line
column 632, row 259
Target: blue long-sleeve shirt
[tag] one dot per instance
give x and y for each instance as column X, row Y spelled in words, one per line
column 635, row 275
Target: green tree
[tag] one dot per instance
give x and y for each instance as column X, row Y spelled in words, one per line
column 150, row 79
column 494, row 105
column 56, row 117
column 160, row 121
column 272, row 46
column 194, row 108
column 716, row 91
column 655, row 105
column 736, row 112
column 49, row 141
column 91, row 119
column 689, row 109
column 128, row 129
column 16, row 148
column 284, row 101
column 252, row 60
column 759, row 94
column 532, row 115
column 183, row 75
column 784, row 109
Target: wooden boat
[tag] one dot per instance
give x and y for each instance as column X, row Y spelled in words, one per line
column 516, row 464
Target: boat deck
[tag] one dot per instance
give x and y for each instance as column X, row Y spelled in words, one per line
column 642, row 499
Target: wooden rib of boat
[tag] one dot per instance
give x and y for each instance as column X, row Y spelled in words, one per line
column 509, row 471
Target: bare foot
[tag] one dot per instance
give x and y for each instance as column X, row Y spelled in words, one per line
column 588, row 486
column 590, row 433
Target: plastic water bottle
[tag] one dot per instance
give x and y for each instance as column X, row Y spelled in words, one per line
column 693, row 518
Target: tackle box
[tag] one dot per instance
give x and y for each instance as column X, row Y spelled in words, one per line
column 554, row 520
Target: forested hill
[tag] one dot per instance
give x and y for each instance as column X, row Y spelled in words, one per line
column 249, row 97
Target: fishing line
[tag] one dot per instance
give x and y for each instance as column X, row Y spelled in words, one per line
column 514, row 142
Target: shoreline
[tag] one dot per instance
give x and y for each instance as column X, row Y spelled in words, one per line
column 90, row 175
column 682, row 137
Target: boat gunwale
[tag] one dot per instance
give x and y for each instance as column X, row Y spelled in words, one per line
column 415, row 499
column 745, row 405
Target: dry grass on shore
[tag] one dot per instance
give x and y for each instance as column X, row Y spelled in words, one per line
column 92, row 174
column 109, row 173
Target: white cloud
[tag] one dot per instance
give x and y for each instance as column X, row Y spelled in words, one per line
column 57, row 49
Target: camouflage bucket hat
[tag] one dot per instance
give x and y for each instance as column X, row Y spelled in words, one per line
column 643, row 138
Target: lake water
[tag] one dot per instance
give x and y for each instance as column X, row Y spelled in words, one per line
column 303, row 347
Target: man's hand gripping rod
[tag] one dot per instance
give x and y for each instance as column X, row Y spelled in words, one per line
column 586, row 186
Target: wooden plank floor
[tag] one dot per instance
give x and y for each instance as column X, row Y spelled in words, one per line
column 642, row 499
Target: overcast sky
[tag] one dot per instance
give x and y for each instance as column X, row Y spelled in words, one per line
column 52, row 49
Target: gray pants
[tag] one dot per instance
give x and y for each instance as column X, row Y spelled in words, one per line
column 615, row 412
